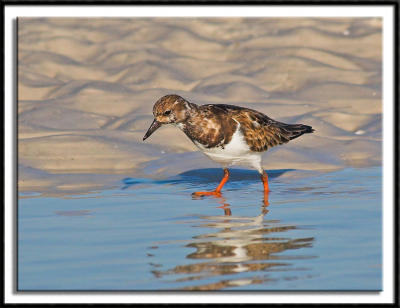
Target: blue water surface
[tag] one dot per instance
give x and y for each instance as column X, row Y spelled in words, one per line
column 316, row 231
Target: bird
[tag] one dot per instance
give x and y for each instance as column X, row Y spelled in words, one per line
column 227, row 134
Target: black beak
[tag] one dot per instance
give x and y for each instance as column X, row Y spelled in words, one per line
column 153, row 127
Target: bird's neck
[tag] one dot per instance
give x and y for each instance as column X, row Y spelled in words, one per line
column 190, row 112
column 186, row 124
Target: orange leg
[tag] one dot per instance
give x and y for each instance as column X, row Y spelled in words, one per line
column 264, row 179
column 217, row 191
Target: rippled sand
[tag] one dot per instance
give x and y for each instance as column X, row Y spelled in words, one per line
column 86, row 88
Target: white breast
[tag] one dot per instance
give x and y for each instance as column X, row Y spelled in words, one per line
column 236, row 152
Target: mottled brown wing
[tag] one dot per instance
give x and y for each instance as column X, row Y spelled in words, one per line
column 212, row 128
column 262, row 132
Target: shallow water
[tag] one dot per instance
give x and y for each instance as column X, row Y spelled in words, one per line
column 320, row 231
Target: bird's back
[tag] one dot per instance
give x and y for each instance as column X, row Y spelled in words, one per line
column 260, row 131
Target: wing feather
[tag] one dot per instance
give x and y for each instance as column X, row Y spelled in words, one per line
column 260, row 131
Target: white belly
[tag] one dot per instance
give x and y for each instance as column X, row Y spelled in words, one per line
column 237, row 152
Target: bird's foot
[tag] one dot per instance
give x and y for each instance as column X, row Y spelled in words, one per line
column 206, row 193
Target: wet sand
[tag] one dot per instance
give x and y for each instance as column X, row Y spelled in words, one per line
column 86, row 88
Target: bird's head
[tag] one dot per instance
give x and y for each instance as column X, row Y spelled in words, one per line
column 169, row 109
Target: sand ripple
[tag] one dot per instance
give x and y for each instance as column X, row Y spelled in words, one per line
column 87, row 86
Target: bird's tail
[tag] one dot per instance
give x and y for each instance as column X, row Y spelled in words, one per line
column 296, row 130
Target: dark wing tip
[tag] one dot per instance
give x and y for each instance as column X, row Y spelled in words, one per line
column 308, row 129
column 296, row 130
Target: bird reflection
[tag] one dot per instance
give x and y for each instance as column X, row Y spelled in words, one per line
column 226, row 206
column 243, row 249
column 219, row 196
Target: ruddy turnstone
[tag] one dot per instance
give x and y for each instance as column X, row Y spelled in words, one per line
column 229, row 135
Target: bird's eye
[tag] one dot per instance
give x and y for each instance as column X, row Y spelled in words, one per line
column 167, row 112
